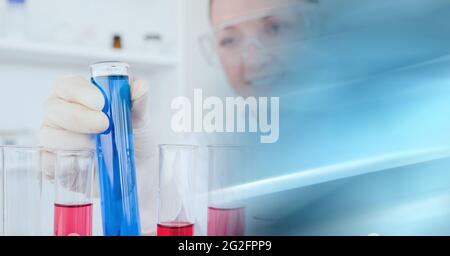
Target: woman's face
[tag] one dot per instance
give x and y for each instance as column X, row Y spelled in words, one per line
column 249, row 67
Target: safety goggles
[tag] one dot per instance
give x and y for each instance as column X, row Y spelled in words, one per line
column 268, row 30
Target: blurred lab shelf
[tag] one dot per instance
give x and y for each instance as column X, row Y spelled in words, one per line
column 73, row 56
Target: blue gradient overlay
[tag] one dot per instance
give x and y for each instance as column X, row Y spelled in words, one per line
column 364, row 126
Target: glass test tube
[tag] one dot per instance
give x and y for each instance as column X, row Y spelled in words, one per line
column 176, row 201
column 22, row 190
column 2, row 182
column 74, row 175
column 226, row 217
column 115, row 152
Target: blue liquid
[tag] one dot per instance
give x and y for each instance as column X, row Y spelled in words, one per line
column 115, row 153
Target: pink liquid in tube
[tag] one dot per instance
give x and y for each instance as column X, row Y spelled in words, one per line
column 73, row 220
column 175, row 228
column 226, row 221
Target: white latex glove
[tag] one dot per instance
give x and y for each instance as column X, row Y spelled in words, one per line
column 73, row 115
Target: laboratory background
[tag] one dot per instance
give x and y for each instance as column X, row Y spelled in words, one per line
column 41, row 40
column 364, row 139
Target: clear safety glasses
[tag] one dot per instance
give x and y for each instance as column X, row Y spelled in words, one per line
column 268, row 30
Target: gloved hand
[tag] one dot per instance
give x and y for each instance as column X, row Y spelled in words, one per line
column 73, row 115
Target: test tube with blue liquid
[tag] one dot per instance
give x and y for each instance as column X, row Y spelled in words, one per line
column 115, row 152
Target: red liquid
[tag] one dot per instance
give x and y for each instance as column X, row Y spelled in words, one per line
column 226, row 221
column 73, row 220
column 175, row 228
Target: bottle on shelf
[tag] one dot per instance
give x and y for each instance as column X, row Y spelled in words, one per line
column 117, row 41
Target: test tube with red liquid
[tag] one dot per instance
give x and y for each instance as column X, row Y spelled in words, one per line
column 176, row 198
column 226, row 216
column 74, row 175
